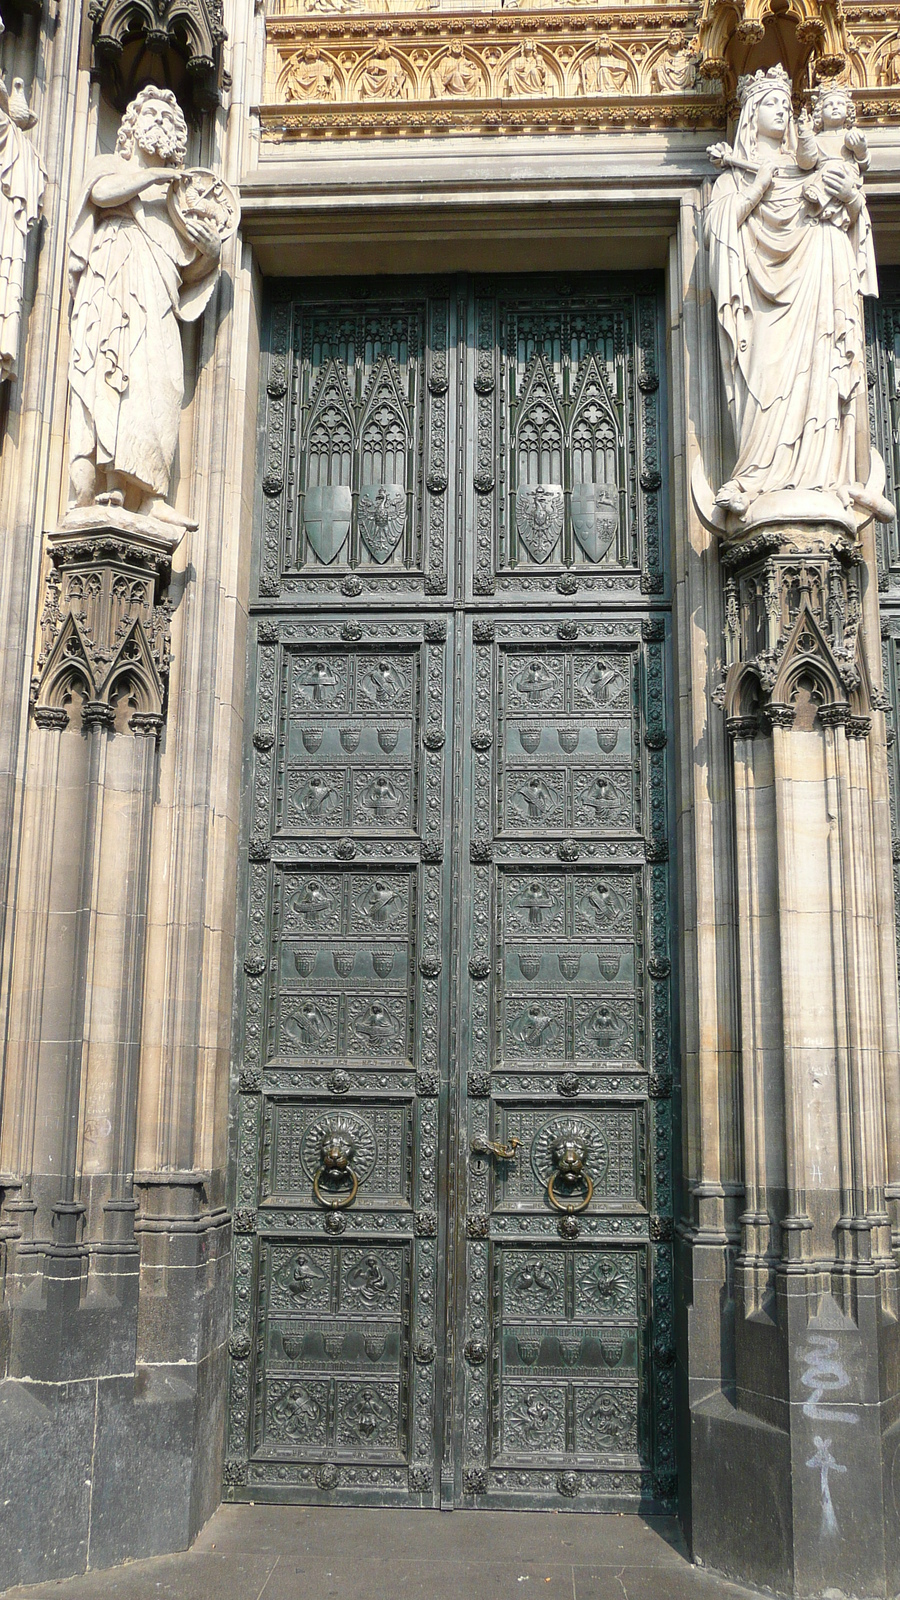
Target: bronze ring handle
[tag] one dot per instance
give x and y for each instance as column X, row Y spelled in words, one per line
column 562, row 1205
column 336, row 1202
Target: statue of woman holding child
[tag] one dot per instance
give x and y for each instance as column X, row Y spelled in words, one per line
column 790, row 256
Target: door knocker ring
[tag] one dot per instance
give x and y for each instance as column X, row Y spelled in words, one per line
column 570, row 1151
column 568, row 1205
column 337, row 1151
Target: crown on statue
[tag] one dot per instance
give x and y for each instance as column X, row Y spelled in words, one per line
column 753, row 85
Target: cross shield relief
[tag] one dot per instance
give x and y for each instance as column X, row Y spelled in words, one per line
column 326, row 519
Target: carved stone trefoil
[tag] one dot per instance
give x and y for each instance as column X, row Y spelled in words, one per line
column 103, row 660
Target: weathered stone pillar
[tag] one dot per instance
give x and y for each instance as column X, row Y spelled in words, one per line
column 120, row 783
column 70, row 1094
column 816, row 1344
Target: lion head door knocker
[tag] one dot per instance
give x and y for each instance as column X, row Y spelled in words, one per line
column 570, row 1179
column 563, row 1155
column 337, row 1152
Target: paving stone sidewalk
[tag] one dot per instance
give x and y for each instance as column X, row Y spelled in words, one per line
column 316, row 1553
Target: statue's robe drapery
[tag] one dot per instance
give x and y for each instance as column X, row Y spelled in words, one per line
column 22, row 180
column 126, row 368
column 787, row 290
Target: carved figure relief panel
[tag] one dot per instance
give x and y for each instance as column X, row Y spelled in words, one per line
column 568, row 473
column 453, row 1201
column 354, row 484
column 351, row 762
column 334, row 1348
column 572, row 1353
column 567, row 760
column 418, row 67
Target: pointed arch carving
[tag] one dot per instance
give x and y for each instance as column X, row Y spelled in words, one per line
column 329, row 439
column 808, row 37
column 176, row 44
column 595, row 439
column 539, row 426
column 793, row 651
column 384, row 432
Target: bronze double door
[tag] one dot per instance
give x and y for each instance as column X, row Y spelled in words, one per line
column 454, row 1024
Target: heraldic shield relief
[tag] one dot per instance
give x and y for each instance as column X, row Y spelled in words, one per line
column 540, row 511
column 382, row 518
column 595, row 517
column 540, row 518
column 326, row 519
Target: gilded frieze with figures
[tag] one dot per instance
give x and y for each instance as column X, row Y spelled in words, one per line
column 503, row 71
column 339, row 68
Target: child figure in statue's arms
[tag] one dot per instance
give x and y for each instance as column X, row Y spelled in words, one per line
column 827, row 139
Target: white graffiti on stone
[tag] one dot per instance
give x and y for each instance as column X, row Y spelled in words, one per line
column 824, row 1461
column 824, row 1374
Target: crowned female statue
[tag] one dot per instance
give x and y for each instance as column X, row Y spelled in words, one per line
column 789, row 259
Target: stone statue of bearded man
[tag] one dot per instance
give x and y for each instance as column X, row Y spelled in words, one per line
column 137, row 267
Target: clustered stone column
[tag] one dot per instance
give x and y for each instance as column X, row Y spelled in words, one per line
column 806, row 1445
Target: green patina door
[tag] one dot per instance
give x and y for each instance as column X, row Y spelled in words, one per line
column 453, row 1108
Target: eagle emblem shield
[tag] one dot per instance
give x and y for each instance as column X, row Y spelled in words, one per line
column 326, row 519
column 539, row 518
column 595, row 517
column 382, row 518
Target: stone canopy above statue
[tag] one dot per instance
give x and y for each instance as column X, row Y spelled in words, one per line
column 175, row 44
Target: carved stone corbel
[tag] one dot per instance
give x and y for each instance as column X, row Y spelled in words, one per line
column 104, row 628
column 793, row 652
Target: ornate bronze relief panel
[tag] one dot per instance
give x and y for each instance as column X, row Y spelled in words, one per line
column 354, row 478
column 344, row 1049
column 453, row 1129
column 567, row 428
column 567, row 1259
